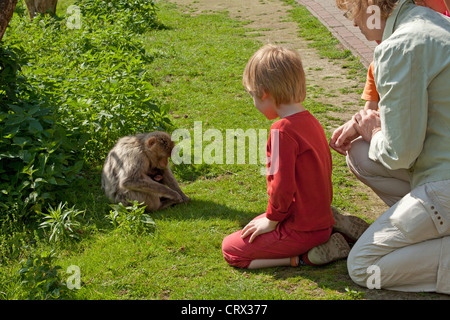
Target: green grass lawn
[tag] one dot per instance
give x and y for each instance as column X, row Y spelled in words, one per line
column 197, row 75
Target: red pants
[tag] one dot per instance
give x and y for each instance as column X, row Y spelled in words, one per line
column 280, row 243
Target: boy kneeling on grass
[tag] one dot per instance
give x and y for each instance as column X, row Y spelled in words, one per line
column 299, row 227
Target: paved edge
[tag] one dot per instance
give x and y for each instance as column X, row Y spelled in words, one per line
column 342, row 28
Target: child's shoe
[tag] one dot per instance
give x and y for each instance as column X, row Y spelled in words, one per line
column 334, row 249
column 351, row 226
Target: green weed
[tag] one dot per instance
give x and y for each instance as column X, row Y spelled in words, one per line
column 41, row 279
column 61, row 222
column 131, row 218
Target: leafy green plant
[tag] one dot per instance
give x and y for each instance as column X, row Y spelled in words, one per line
column 61, row 222
column 40, row 279
column 36, row 152
column 136, row 15
column 67, row 95
column 131, row 218
column 98, row 75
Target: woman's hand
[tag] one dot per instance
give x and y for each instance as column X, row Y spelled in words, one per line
column 343, row 136
column 367, row 123
column 257, row 227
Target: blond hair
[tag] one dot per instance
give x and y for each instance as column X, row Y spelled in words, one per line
column 278, row 71
column 357, row 7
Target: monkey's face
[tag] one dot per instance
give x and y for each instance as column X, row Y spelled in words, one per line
column 163, row 163
column 159, row 150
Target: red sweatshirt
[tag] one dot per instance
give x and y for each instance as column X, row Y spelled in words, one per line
column 300, row 189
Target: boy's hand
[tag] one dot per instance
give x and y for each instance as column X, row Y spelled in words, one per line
column 257, row 227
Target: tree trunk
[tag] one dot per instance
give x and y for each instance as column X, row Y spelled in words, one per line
column 40, row 6
column 6, row 12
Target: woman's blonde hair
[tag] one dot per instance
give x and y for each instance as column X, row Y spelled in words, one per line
column 356, row 7
column 277, row 70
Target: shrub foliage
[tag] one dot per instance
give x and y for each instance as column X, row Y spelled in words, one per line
column 66, row 96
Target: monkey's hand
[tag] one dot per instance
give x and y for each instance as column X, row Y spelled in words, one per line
column 185, row 198
column 175, row 196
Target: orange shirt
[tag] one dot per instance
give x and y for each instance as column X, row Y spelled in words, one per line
column 370, row 92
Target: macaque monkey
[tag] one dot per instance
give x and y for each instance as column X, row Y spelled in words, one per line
column 137, row 168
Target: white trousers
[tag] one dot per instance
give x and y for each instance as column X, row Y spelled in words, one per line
column 408, row 247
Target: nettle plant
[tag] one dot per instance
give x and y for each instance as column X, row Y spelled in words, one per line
column 37, row 153
column 135, row 15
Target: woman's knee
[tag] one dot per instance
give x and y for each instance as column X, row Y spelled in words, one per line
column 358, row 159
column 357, row 268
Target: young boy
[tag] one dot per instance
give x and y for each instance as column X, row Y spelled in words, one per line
column 299, row 221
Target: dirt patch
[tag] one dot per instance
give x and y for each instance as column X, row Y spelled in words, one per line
column 269, row 22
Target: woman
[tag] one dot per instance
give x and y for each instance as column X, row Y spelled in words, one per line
column 403, row 150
